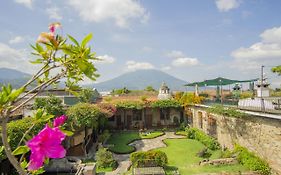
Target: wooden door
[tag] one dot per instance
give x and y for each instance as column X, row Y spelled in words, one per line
column 148, row 121
column 129, row 121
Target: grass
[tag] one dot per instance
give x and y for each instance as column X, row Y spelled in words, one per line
column 182, row 156
column 120, row 141
column 101, row 170
column 183, row 133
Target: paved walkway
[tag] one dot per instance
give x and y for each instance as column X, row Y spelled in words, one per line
column 140, row 145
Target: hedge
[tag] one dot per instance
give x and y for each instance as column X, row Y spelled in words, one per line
column 16, row 129
column 251, row 161
column 209, row 142
column 156, row 157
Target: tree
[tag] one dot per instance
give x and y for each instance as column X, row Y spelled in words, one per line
column 150, row 89
column 190, row 98
column 59, row 57
column 85, row 115
column 51, row 104
column 277, row 69
column 87, row 95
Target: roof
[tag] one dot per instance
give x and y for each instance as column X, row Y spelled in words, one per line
column 218, row 81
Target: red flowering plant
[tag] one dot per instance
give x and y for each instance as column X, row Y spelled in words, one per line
column 59, row 58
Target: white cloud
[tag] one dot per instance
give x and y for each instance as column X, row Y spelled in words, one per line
column 133, row 65
column 226, row 5
column 181, row 62
column 265, row 52
column 14, row 59
column 272, row 35
column 15, row 40
column 122, row 12
column 27, row 3
column 54, row 13
column 175, row 54
column 105, row 59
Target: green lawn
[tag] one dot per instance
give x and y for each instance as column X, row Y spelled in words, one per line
column 182, row 155
column 119, row 141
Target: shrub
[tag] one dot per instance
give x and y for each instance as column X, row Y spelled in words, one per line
column 229, row 112
column 209, row 142
column 153, row 157
column 189, row 98
column 84, row 115
column 104, row 136
column 166, row 104
column 251, row 161
column 105, row 159
column 52, row 105
column 16, row 129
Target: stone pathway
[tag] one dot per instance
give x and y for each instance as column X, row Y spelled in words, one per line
column 140, row 145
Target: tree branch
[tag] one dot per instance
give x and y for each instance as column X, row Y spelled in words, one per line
column 43, row 86
column 8, row 149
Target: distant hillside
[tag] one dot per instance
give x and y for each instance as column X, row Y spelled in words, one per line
column 14, row 77
column 139, row 80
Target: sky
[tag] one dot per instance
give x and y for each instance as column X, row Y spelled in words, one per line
column 192, row 40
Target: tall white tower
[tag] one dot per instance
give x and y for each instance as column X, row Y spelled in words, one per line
column 164, row 92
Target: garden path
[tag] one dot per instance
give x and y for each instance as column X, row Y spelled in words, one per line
column 140, row 145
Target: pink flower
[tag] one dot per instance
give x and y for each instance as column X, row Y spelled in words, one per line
column 59, row 120
column 54, row 26
column 47, row 144
column 45, row 37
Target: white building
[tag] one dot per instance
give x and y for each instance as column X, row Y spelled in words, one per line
column 164, row 92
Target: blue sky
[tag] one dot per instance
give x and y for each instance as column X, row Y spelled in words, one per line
column 190, row 39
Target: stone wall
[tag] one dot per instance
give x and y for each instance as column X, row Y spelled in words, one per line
column 257, row 133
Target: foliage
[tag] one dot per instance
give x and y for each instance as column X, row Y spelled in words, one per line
column 51, row 104
column 16, row 129
column 246, row 94
column 58, row 58
column 84, row 115
column 105, row 159
column 190, row 98
column 149, row 89
column 166, row 104
column 251, row 161
column 120, row 91
column 87, row 95
column 104, row 136
column 182, row 156
column 228, row 112
column 178, row 95
column 209, row 142
column 277, row 69
column 276, row 93
column 154, row 157
column 205, row 95
column 107, row 108
column 129, row 105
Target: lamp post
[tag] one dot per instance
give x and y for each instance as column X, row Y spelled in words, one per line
column 221, row 90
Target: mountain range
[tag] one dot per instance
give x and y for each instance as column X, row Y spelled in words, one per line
column 14, row 77
column 139, row 80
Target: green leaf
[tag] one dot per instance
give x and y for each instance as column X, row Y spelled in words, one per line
column 24, row 164
column 20, row 150
column 86, row 39
column 15, row 93
column 37, row 61
column 39, row 48
column 68, row 133
column 46, row 161
column 73, row 40
column 39, row 113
